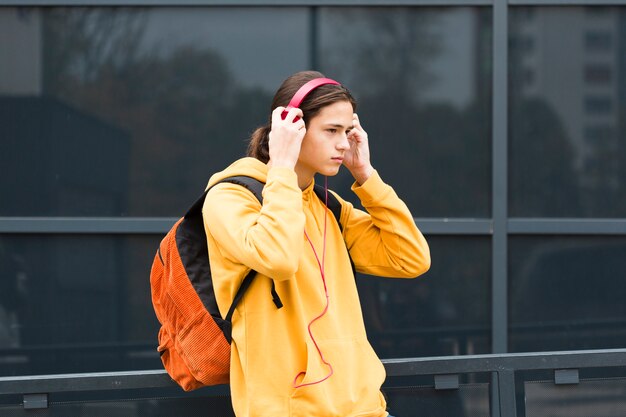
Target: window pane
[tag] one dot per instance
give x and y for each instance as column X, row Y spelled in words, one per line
column 128, row 111
column 567, row 293
column 598, row 40
column 445, row 312
column 141, row 403
column 568, row 121
column 422, row 77
column 603, row 397
column 76, row 304
column 468, row 400
column 82, row 304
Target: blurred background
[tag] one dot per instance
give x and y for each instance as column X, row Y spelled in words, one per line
column 505, row 134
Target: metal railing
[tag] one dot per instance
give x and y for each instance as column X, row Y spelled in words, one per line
column 445, row 372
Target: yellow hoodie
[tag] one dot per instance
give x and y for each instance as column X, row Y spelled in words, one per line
column 271, row 346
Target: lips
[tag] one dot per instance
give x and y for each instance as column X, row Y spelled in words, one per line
column 338, row 159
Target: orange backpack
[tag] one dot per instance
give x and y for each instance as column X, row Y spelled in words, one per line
column 194, row 339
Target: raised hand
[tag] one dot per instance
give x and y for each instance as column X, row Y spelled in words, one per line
column 285, row 138
column 357, row 158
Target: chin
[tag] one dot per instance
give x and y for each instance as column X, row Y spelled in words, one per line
column 330, row 172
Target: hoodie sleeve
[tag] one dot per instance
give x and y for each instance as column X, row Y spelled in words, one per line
column 384, row 241
column 267, row 238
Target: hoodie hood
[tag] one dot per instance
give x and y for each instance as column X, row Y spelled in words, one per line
column 248, row 166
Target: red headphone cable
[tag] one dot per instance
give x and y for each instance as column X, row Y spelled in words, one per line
column 321, row 267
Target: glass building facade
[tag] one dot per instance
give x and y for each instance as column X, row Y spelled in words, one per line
column 502, row 126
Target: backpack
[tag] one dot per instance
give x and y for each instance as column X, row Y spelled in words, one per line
column 194, row 339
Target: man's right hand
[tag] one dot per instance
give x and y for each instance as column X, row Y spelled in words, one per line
column 285, row 138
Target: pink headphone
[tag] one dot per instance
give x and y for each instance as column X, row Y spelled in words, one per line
column 304, row 91
column 295, row 102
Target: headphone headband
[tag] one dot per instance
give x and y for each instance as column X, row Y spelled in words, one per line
column 307, row 88
column 304, row 91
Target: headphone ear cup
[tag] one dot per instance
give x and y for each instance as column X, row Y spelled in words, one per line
column 283, row 115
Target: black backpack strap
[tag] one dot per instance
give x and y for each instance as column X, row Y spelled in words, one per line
column 240, row 292
column 275, row 298
column 256, row 188
column 333, row 203
column 335, row 207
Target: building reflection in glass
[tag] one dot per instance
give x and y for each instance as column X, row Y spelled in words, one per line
column 568, row 101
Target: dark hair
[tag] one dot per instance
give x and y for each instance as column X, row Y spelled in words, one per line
column 314, row 102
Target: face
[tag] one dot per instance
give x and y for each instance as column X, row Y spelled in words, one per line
column 325, row 142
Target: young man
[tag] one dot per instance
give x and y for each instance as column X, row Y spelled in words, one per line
column 311, row 357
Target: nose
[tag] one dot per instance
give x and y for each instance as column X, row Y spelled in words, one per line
column 343, row 143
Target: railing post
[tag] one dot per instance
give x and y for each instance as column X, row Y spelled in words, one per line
column 506, row 393
column 495, row 395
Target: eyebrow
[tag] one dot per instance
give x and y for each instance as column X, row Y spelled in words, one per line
column 338, row 125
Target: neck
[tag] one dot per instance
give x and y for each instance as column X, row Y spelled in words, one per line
column 304, row 178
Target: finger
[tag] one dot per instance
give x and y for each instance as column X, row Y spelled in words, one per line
column 276, row 114
column 294, row 114
column 286, row 113
column 291, row 114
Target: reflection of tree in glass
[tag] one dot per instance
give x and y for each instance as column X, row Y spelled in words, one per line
column 605, row 168
column 186, row 114
column 79, row 42
column 383, row 51
column 543, row 181
column 435, row 155
column 536, row 131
